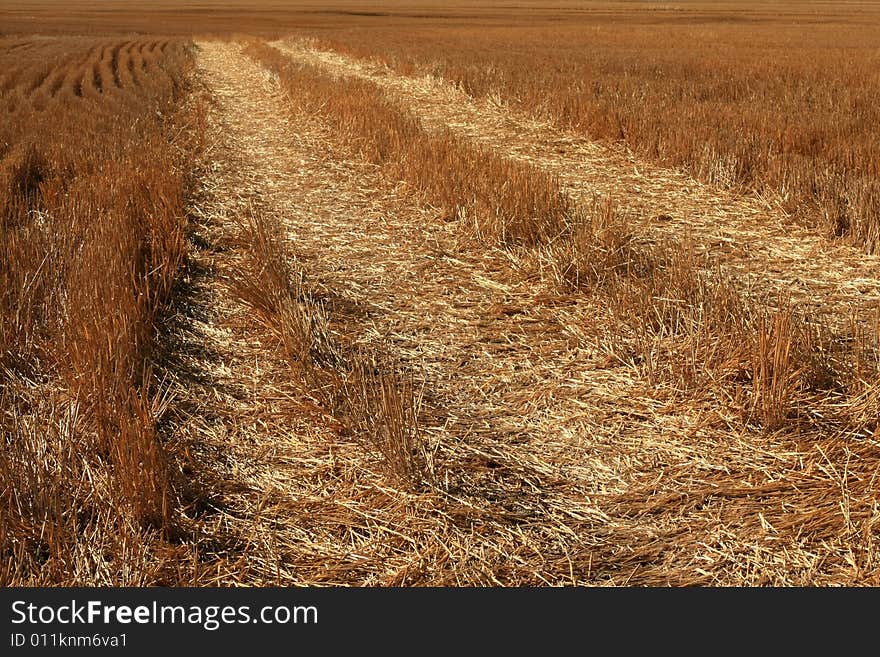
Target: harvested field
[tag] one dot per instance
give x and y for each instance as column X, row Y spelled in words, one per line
column 416, row 299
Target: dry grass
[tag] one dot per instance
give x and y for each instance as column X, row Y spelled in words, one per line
column 500, row 199
column 393, row 353
column 374, row 402
column 674, row 313
column 92, row 233
column 702, row 342
column 317, row 507
column 781, row 105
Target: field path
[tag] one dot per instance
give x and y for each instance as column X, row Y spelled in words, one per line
column 512, row 504
column 749, row 236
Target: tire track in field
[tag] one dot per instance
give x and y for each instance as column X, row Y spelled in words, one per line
column 514, row 504
column 748, row 236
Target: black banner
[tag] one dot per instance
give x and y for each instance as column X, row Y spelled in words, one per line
column 294, row 620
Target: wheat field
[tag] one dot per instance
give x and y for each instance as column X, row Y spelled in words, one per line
column 439, row 294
